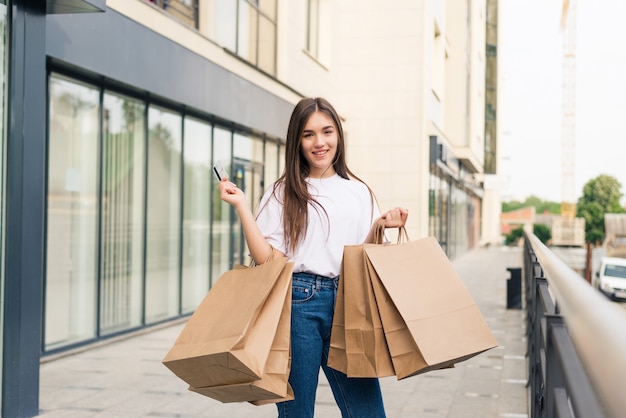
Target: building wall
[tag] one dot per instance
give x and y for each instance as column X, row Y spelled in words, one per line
column 465, row 81
column 168, row 60
column 379, row 62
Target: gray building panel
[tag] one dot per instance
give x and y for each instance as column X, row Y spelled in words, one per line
column 115, row 47
column 74, row 6
column 25, row 202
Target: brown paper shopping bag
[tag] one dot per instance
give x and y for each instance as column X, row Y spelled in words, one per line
column 361, row 338
column 228, row 338
column 367, row 353
column 434, row 304
column 337, row 352
column 406, row 358
column 273, row 385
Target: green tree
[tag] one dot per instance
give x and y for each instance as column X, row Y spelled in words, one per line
column 541, row 206
column 513, row 236
column 600, row 195
column 542, row 232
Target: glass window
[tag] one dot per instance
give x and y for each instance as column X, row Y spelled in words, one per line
column 281, row 158
column 198, row 180
column 271, row 164
column 224, row 23
column 615, row 270
column 268, row 8
column 122, row 220
column 221, row 259
column 313, row 22
column 267, row 45
column 247, row 39
column 163, row 215
column 72, row 213
column 182, row 10
column 317, row 40
column 246, row 27
column 248, row 175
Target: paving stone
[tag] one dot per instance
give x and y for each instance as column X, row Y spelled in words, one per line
column 125, row 377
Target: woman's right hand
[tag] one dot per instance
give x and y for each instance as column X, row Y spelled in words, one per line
column 230, row 193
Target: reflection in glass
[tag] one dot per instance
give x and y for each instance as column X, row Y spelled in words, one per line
column 248, row 175
column 267, row 45
column 72, row 213
column 223, row 27
column 281, row 158
column 270, row 164
column 313, row 22
column 163, row 215
column 267, row 7
column 248, row 31
column 121, row 241
column 221, row 225
column 198, row 180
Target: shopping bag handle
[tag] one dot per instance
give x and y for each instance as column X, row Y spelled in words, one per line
column 379, row 233
column 269, row 258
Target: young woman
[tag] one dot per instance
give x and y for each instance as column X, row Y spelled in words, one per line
column 315, row 208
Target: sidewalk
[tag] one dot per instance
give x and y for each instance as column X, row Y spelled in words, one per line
column 126, row 378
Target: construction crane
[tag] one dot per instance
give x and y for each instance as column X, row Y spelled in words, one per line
column 568, row 231
column 568, row 128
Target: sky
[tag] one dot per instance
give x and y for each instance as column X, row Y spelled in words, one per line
column 530, row 46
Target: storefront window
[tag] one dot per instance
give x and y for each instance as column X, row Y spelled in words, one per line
column 198, row 180
column 221, row 222
column 122, row 208
column 271, row 164
column 72, row 233
column 136, row 232
column 163, row 215
column 248, row 175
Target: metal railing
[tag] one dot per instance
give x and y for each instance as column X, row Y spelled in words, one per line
column 576, row 341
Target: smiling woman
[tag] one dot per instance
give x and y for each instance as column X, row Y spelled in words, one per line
column 310, row 213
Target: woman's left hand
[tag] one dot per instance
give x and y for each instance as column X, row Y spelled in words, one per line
column 395, row 218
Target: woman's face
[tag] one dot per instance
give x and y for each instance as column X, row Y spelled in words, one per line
column 318, row 144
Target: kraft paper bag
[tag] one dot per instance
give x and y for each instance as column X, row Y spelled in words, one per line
column 406, row 358
column 367, row 353
column 228, row 338
column 337, row 352
column 432, row 301
column 273, row 385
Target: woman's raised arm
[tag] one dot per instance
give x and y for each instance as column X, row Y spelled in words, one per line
column 260, row 250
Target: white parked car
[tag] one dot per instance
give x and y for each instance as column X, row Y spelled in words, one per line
column 611, row 278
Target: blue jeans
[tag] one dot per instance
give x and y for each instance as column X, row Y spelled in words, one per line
column 313, row 305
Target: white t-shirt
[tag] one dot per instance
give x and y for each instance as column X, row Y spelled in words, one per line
column 348, row 205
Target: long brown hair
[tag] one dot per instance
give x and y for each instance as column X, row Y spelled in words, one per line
column 296, row 196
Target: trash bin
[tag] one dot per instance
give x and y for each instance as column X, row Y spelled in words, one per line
column 514, row 288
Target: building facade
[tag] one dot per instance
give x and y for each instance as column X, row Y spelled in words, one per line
column 116, row 110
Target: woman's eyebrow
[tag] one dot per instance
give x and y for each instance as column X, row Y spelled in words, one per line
column 322, row 129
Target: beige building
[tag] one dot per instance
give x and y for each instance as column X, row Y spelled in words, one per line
column 399, row 73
